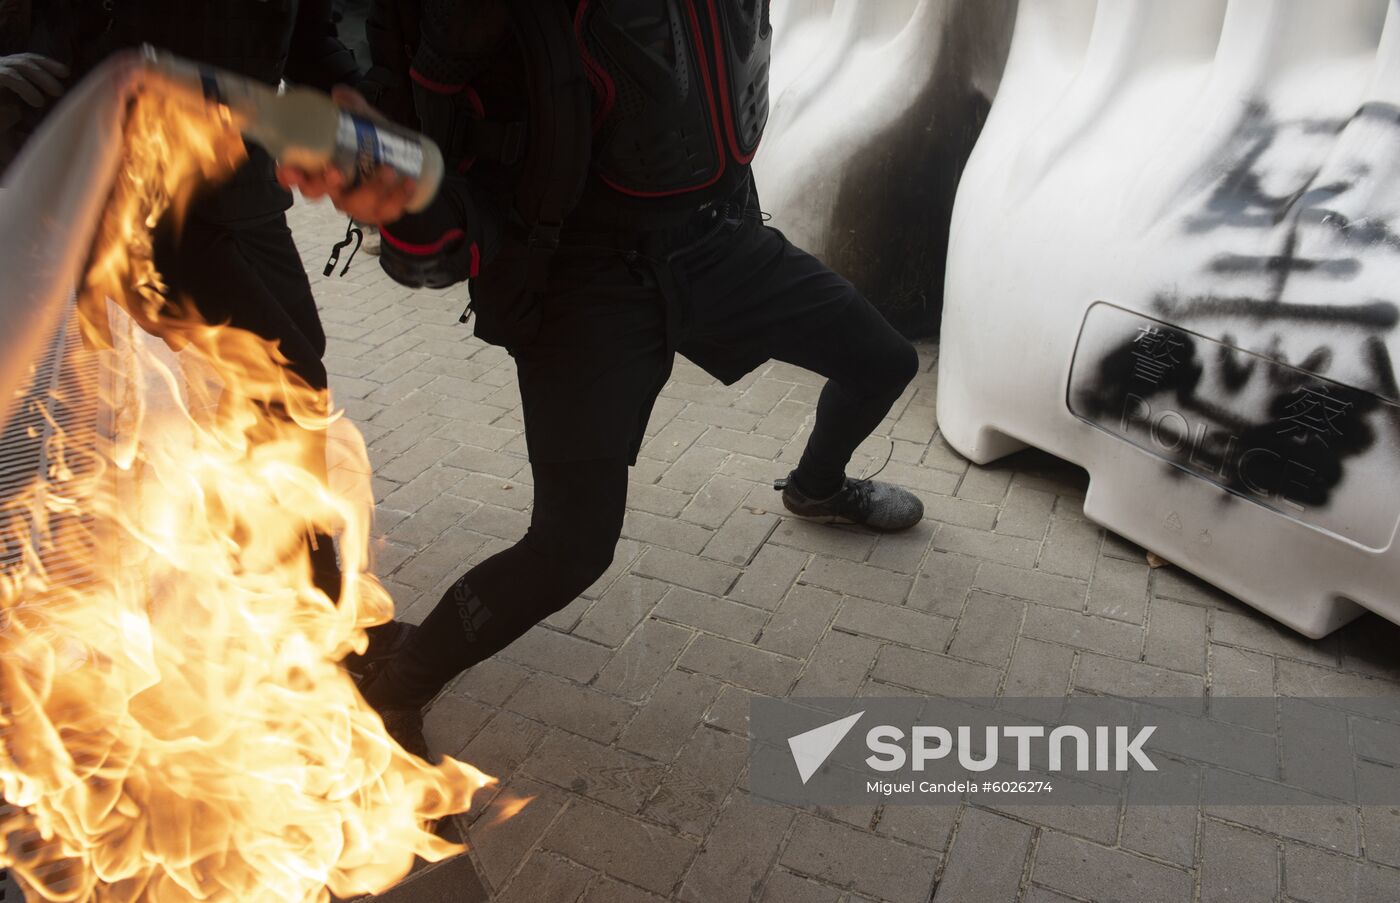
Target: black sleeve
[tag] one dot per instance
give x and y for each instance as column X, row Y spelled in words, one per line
column 62, row 30
column 317, row 57
column 463, row 229
column 392, row 32
column 14, row 26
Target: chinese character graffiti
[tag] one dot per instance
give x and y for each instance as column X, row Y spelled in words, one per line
column 1285, row 327
column 1315, row 414
column 1155, row 354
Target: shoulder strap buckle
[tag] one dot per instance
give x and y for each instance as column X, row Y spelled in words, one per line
column 545, row 235
column 540, row 245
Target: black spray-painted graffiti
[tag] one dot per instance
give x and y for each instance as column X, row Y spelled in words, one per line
column 1280, row 421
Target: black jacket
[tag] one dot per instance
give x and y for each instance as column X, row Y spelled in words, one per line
column 58, row 29
column 264, row 39
column 392, row 31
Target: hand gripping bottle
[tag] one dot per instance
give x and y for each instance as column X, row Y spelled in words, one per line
column 303, row 128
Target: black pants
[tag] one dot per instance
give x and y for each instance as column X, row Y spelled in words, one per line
column 727, row 292
column 249, row 276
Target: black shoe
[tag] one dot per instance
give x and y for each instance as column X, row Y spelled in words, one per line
column 402, row 716
column 405, row 726
column 385, row 641
column 878, row 506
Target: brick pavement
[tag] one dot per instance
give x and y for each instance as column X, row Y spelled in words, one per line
column 623, row 717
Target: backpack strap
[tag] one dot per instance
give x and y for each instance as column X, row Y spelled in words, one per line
column 560, row 132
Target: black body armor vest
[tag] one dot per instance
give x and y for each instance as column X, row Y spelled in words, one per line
column 636, row 113
column 681, row 92
column 679, row 98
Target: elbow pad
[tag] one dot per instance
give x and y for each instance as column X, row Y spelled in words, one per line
column 441, row 246
column 442, row 262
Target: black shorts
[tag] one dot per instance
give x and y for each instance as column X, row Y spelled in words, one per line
column 740, row 294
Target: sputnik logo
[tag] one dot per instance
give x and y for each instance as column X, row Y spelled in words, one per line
column 811, row 749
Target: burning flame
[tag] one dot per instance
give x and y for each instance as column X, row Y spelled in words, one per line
column 173, row 725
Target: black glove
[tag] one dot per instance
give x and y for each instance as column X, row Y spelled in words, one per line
column 33, row 78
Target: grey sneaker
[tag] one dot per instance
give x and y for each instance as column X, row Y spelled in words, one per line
column 878, row 506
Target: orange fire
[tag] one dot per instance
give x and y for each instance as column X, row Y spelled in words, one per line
column 173, row 723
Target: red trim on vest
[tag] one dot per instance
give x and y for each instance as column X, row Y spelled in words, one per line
column 714, row 121
column 731, row 125
column 435, row 87
column 603, row 84
column 427, row 250
column 474, row 99
column 465, row 165
column 476, row 261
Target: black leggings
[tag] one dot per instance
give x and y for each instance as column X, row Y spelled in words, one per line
column 574, row 530
column 573, row 533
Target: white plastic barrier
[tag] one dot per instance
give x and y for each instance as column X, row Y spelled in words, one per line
column 869, row 99
column 1176, row 262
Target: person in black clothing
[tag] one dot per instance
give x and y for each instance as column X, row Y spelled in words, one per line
column 234, row 259
column 663, row 249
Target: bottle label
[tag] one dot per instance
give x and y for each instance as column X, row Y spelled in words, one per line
column 362, row 146
column 213, row 91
